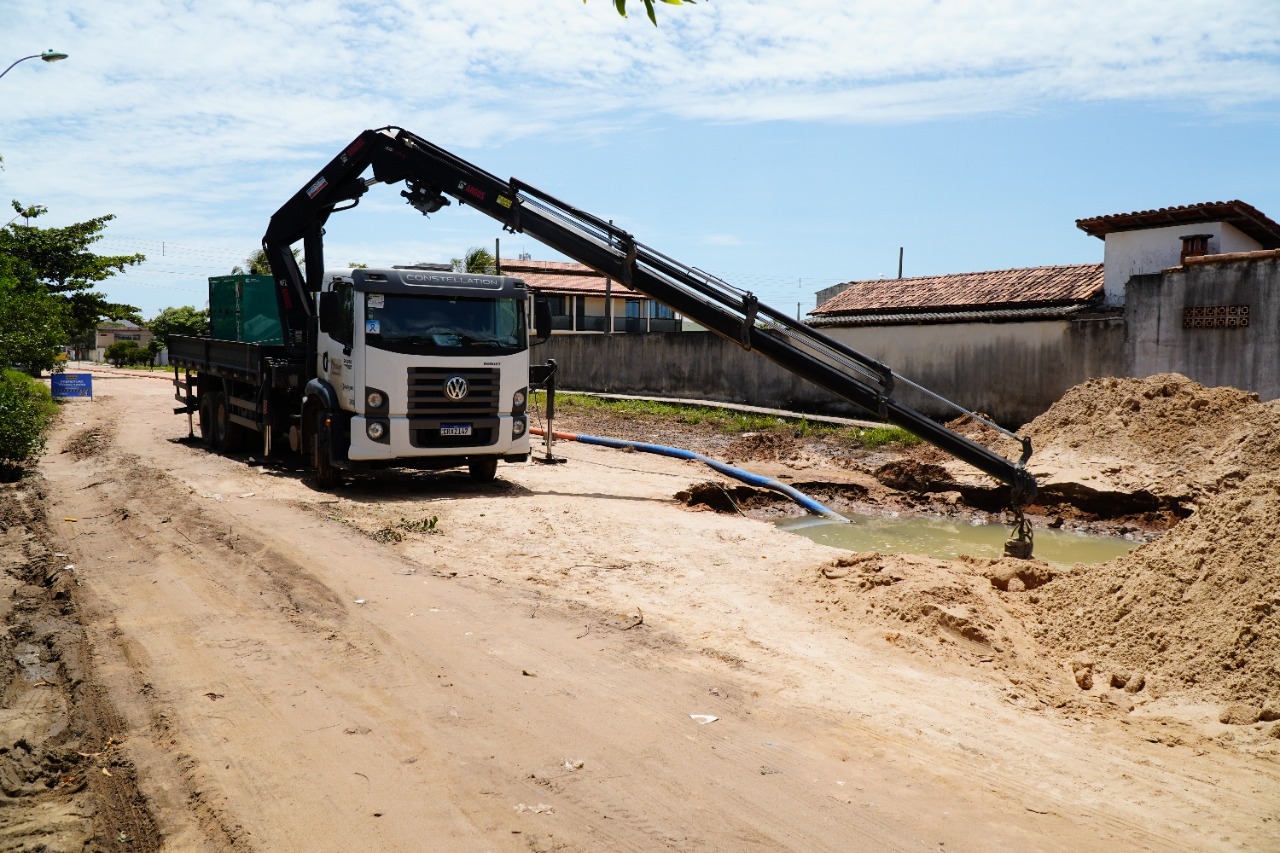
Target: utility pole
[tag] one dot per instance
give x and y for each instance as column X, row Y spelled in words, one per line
column 608, row 294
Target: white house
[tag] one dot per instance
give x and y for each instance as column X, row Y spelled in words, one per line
column 1151, row 241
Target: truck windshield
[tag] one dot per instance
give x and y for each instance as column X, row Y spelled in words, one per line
column 436, row 324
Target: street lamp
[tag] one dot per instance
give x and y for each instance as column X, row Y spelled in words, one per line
column 47, row 56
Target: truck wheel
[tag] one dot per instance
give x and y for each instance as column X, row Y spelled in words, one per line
column 483, row 468
column 206, row 418
column 326, row 475
column 228, row 437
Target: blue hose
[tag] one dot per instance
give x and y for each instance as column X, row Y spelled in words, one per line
column 728, row 470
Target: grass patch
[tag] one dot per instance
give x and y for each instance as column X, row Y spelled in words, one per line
column 140, row 368
column 727, row 421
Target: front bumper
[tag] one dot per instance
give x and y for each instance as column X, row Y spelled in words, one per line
column 416, row 438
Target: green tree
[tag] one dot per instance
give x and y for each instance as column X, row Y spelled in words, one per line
column 476, row 260
column 59, row 258
column 621, row 6
column 58, row 262
column 86, row 310
column 178, row 321
column 152, row 350
column 125, row 352
column 32, row 324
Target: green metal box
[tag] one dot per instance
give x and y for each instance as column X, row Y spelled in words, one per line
column 243, row 308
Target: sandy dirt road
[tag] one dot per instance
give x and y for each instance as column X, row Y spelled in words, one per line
column 312, row 671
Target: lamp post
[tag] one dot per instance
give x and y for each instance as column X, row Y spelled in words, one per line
column 47, row 56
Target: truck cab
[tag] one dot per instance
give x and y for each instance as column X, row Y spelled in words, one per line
column 422, row 368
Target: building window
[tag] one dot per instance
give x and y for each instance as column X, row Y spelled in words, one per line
column 658, row 311
column 1195, row 245
column 633, row 308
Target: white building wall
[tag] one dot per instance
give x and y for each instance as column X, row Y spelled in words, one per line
column 1150, row 250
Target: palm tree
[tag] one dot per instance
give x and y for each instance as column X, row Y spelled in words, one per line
column 257, row 263
column 476, row 260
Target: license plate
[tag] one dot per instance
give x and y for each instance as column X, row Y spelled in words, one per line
column 455, row 429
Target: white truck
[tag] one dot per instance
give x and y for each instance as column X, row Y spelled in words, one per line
column 335, row 417
column 408, row 367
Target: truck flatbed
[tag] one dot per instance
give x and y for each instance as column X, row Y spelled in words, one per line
column 232, row 359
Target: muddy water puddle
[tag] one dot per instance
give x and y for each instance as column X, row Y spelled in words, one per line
column 949, row 538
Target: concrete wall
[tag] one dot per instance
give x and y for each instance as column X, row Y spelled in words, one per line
column 1247, row 358
column 1012, row 371
column 1150, row 250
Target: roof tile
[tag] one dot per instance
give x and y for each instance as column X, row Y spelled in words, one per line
column 1246, row 217
column 1055, row 285
column 563, row 277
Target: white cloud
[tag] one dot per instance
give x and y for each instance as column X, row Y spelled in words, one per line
column 172, row 113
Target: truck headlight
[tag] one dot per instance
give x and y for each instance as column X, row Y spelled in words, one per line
column 518, row 426
column 376, row 430
column 519, row 400
column 375, row 400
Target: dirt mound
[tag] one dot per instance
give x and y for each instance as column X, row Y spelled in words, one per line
column 1162, row 415
column 1197, row 611
column 768, row 446
column 948, row 610
column 913, row 475
column 1165, row 435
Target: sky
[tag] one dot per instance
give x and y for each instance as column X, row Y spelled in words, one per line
column 783, row 146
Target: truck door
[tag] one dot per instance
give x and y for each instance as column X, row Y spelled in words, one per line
column 335, row 348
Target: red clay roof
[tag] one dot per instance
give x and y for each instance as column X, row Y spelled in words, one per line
column 563, row 277
column 1060, row 285
column 1246, row 217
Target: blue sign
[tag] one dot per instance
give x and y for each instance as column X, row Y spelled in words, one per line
column 67, row 385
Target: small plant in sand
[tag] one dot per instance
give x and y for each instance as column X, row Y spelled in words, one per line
column 395, row 532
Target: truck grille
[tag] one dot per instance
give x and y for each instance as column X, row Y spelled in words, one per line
column 427, row 397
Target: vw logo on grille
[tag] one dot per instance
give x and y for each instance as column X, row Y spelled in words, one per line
column 455, row 388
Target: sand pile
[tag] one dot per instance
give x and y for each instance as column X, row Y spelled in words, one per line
column 1165, row 435
column 1197, row 611
column 1165, row 439
column 929, row 605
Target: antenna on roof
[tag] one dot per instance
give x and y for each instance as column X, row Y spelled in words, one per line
column 899, row 262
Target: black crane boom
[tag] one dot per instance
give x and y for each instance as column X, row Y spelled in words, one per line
column 431, row 175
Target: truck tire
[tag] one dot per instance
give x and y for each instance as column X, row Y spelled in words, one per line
column 327, row 476
column 228, row 437
column 206, row 417
column 483, row 468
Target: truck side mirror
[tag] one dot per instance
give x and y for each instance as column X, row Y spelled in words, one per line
column 330, row 306
column 541, row 319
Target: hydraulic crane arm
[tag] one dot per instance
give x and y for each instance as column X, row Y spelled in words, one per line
column 430, row 174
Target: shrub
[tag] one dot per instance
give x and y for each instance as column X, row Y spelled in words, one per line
column 125, row 352
column 26, row 410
